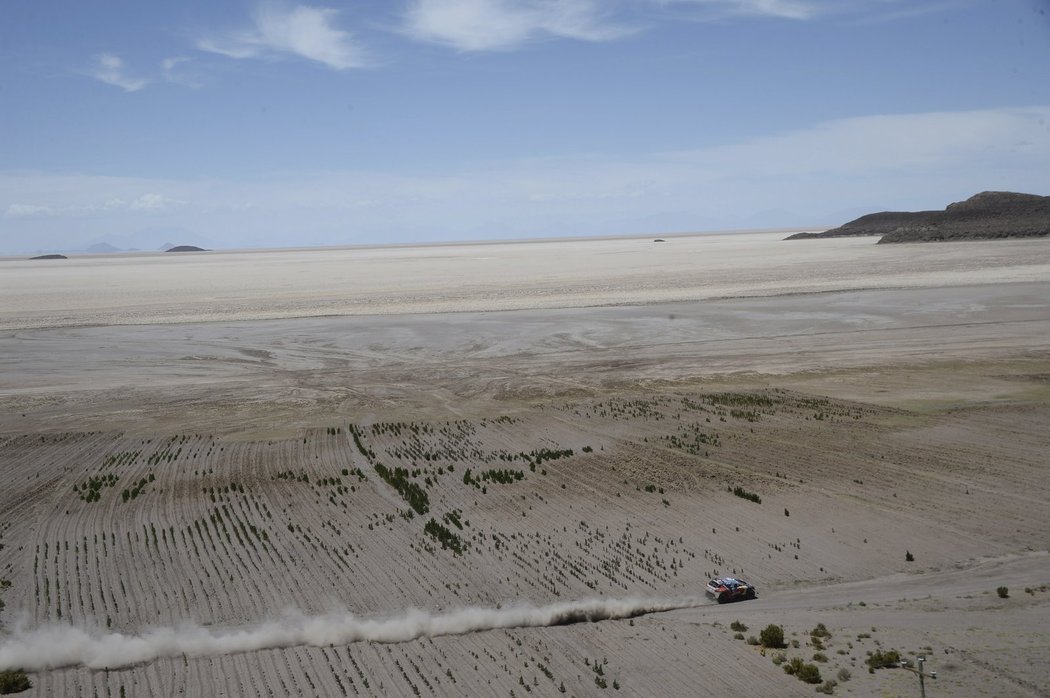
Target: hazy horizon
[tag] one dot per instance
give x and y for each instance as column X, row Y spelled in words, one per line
column 423, row 243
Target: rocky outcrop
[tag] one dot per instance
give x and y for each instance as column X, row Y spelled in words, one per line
column 989, row 215
column 185, row 248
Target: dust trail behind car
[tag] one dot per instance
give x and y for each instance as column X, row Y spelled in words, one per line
column 62, row 645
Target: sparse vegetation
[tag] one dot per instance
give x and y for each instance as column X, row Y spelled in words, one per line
column 447, row 538
column 744, row 494
column 399, row 479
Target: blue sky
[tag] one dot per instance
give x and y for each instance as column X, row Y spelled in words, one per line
column 276, row 123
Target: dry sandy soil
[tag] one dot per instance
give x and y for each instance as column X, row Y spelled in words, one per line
column 158, row 471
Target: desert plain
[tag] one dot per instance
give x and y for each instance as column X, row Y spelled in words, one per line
column 509, row 469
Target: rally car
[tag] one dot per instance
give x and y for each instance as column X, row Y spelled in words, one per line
column 726, row 589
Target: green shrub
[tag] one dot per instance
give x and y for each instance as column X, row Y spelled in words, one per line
column 1003, row 592
column 809, row 673
column 828, row 687
column 14, row 682
column 908, row 557
column 820, row 631
column 844, row 675
column 744, row 494
column 445, row 537
column 738, row 626
column 883, row 660
column 398, row 478
column 738, row 636
column 772, row 636
column 820, row 657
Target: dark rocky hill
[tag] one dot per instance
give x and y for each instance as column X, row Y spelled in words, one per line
column 989, row 215
column 50, row 256
column 185, row 248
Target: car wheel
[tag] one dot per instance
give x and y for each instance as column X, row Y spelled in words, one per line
column 722, row 598
column 750, row 594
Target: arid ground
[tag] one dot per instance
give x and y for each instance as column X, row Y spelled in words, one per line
column 235, row 438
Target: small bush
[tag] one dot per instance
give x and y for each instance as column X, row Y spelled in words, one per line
column 1003, row 592
column 828, row 687
column 820, row 657
column 14, row 682
column 752, row 640
column 844, row 675
column 738, row 626
column 883, row 660
column 809, row 673
column 738, row 636
column 772, row 636
column 820, row 631
column 908, row 557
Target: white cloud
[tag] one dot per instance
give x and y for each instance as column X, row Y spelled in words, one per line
column 489, row 25
column 873, row 10
column 787, row 9
column 110, row 69
column 878, row 144
column 303, row 31
column 153, row 202
column 494, row 25
column 80, row 207
column 27, row 211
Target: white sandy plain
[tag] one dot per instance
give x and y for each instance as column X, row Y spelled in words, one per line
column 263, row 284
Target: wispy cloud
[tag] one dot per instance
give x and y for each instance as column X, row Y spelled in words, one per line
column 110, row 69
column 174, row 70
column 492, row 25
column 865, row 10
column 150, row 202
column 787, row 9
column 28, row 210
column 301, row 31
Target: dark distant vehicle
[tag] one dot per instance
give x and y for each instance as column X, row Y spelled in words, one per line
column 727, row 589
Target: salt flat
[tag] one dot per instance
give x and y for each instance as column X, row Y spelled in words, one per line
column 576, row 427
column 240, row 285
